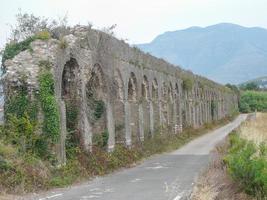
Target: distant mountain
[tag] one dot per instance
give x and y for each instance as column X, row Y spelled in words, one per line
column 260, row 82
column 226, row 53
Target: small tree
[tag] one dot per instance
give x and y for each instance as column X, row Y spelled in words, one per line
column 250, row 86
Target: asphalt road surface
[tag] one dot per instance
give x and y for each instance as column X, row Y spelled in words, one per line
column 168, row 176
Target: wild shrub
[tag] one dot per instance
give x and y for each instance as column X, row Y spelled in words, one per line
column 253, row 100
column 63, row 44
column 42, row 35
column 187, row 84
column 19, row 104
column 12, row 49
column 248, row 166
column 101, row 140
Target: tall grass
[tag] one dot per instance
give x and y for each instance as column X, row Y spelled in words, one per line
column 255, row 130
column 247, row 157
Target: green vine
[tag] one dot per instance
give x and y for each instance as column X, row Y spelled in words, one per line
column 14, row 48
column 19, row 104
column 49, row 104
column 99, row 109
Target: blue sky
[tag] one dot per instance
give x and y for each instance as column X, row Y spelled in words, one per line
column 140, row 21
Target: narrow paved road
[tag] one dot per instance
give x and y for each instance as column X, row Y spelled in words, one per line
column 168, row 176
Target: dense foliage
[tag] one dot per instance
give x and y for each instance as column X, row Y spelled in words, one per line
column 187, row 84
column 19, row 104
column 247, row 164
column 253, row 100
column 28, row 172
column 250, row 86
column 14, row 48
column 49, row 104
column 233, row 88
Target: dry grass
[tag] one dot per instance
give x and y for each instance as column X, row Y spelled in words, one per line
column 255, row 130
column 215, row 183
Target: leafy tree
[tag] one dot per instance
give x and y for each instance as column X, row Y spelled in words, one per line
column 253, row 100
column 250, row 86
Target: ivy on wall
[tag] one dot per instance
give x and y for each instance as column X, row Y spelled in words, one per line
column 49, row 105
column 99, row 109
column 13, row 49
column 19, row 104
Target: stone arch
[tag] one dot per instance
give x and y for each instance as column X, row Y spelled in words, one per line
column 155, row 93
column 144, row 110
column 119, row 110
column 96, row 83
column 170, row 93
column 96, row 99
column 185, row 114
column 155, row 104
column 164, row 104
column 177, row 91
column 145, row 88
column 70, row 97
column 132, row 87
column 118, row 85
column 170, row 112
column 197, row 92
column 133, row 109
column 69, row 79
column 178, row 105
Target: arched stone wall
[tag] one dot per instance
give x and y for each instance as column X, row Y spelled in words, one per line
column 155, row 117
column 132, row 94
column 119, row 111
column 97, row 101
column 133, row 100
column 144, row 109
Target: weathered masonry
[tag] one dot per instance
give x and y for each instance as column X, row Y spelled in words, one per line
column 117, row 89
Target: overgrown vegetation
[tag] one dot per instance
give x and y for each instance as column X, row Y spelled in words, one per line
column 99, row 109
column 250, row 86
column 48, row 103
column 253, row 100
column 14, row 48
column 214, row 182
column 239, row 166
column 234, row 88
column 187, row 84
column 101, row 140
column 63, row 44
column 30, row 28
column 26, row 149
column 247, row 164
column 24, row 173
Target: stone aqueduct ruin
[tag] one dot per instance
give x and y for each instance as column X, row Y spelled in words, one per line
column 119, row 89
